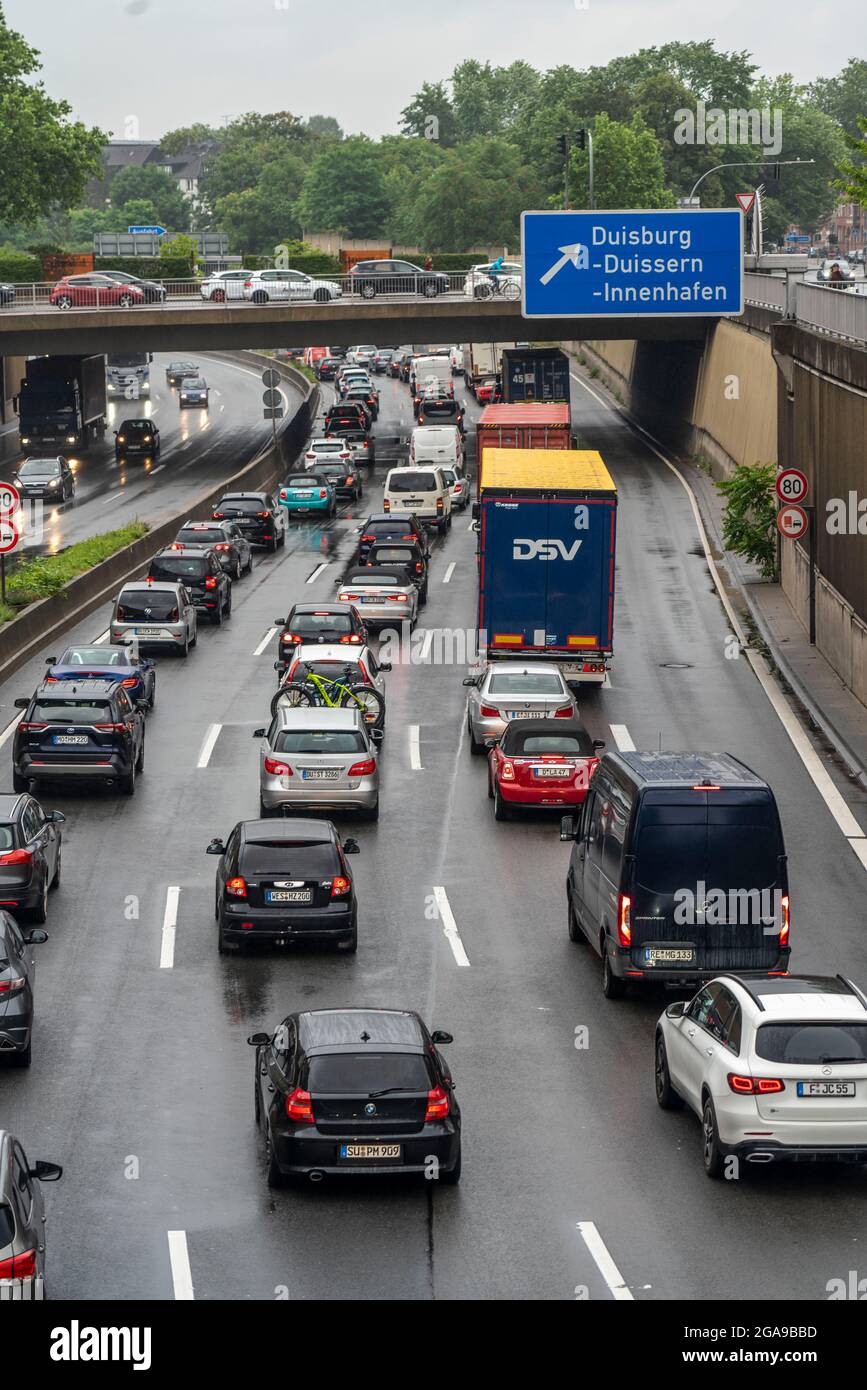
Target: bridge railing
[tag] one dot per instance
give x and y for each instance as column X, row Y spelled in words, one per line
column 840, row 312
column 766, row 291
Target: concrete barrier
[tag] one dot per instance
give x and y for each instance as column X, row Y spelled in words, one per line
column 21, row 638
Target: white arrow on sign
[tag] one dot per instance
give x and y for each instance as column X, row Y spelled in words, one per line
column 576, row 253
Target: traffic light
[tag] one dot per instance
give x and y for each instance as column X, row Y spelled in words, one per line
column 775, row 171
column 561, row 145
column 581, row 139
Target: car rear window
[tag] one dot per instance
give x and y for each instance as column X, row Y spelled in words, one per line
column 180, row 567
column 394, row 554
column 412, row 482
column 680, row 850
column 525, row 683
column 148, row 603
column 385, row 528
column 570, row 745
column 364, row 1072
column 292, row 858
column 94, row 656
column 441, row 409
column 812, row 1042
column 202, row 537
column 72, row 712
column 374, row 575
column 241, row 504
column 331, row 670
column 327, row 446
column 316, row 623
column 319, row 741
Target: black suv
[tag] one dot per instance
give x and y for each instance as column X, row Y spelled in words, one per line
column 350, row 415
column 356, row 1091
column 204, row 578
column 257, row 515
column 233, row 550
column 29, row 856
column 370, row 278
column 408, row 555
column 280, row 882
column 88, row 731
column 318, row 622
column 380, row 526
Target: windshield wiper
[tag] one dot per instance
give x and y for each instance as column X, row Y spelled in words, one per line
column 387, row 1091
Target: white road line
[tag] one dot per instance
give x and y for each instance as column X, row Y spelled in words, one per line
column 622, row 738
column 182, row 1275
column 450, row 927
column 813, row 765
column 318, row 570
column 414, row 751
column 208, row 746
column 170, row 924
column 265, row 640
column 449, row 572
column 604, row 1263
column 112, row 497
column 159, row 468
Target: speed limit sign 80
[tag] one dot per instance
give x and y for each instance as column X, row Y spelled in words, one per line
column 10, row 499
column 792, row 485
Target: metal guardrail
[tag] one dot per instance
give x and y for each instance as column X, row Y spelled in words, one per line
column 766, row 291
column 840, row 312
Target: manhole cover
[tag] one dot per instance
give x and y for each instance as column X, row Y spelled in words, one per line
column 677, row 665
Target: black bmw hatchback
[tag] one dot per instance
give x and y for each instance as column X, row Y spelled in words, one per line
column 281, row 882
column 356, row 1091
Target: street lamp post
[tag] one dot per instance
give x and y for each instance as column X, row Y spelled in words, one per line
column 743, row 164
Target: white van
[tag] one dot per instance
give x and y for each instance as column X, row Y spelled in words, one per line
column 456, row 360
column 439, row 444
column 422, row 492
column 438, row 369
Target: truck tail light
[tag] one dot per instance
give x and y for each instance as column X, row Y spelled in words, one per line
column 624, row 919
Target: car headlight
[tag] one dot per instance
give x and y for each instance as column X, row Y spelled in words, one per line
column 70, row 439
column 55, row 482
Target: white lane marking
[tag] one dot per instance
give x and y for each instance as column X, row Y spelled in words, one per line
column 154, row 471
column 318, row 570
column 604, row 1263
column 836, row 804
column 112, row 497
column 450, row 927
column 449, row 572
column 265, row 640
column 622, row 738
column 182, row 1275
column 208, row 746
column 606, row 684
column 170, row 924
column 414, row 750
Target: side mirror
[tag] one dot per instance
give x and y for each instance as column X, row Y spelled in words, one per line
column 36, row 938
column 567, row 828
column 491, row 742
column 259, row 733
column 22, row 703
column 51, row 661
column 142, row 704
column 385, row 666
column 57, row 817
column 46, row 1172
column 216, row 847
column 258, row 1040
column 114, row 431
column 441, row 1038
column 469, row 680
column 376, row 735
column 676, row 1010
column 279, row 622
column 599, row 743
column 351, row 847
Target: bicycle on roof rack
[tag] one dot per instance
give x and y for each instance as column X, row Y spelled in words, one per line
column 307, row 689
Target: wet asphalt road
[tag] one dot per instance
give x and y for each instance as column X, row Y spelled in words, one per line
column 198, row 447
column 142, row 1085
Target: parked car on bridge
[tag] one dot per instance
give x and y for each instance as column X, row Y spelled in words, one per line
column 154, row 291
column 370, row 278
column 94, row 291
column 264, row 285
column 226, row 284
column 479, row 275
column 7, row 294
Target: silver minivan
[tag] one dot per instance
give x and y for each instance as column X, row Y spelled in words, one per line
column 318, row 759
column 154, row 613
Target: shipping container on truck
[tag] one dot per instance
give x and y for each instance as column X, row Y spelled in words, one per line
column 535, row 374
column 547, row 529
column 62, row 402
column 522, row 427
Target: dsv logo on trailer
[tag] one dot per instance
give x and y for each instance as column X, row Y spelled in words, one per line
column 544, row 550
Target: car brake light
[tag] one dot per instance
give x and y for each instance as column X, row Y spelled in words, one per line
column 261, row 513
column 236, row 887
column 624, row 922
column 489, row 712
column 12, row 986
column 339, row 886
column 507, row 772
column 564, row 712
column 754, row 1085
column 363, row 769
column 299, row 1107
column 349, row 598
column 130, row 682
column 386, row 505
column 223, row 545
column 176, row 545
column 368, row 538
column 396, row 598
column 323, row 492
column 277, row 769
column 784, row 920
column 218, row 516
column 19, row 1266
column 27, row 727
column 111, row 728
column 17, row 856
column 290, row 637
column 437, row 1105
column 210, row 582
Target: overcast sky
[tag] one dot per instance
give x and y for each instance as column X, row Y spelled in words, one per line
column 141, row 67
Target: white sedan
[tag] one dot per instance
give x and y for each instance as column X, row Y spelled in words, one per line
column 263, row 285
column 477, row 275
column 775, row 1067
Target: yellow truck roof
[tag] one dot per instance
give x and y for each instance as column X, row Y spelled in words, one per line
column 557, row 470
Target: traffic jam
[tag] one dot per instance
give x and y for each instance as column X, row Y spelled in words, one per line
column 405, row 745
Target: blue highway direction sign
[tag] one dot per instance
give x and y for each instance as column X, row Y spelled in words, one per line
column 676, row 263
column 146, row 231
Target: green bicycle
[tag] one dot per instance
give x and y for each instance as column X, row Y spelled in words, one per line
column 307, row 689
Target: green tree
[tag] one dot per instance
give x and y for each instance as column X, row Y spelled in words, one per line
column 174, row 141
column 406, row 164
column 180, row 247
column 258, row 219
column 327, row 126
column 490, row 101
column 805, row 195
column 137, row 212
column 159, row 189
column 345, row 190
column 750, row 516
column 475, row 196
column 430, row 115
column 628, row 167
column 45, row 157
column 844, row 97
column 853, row 184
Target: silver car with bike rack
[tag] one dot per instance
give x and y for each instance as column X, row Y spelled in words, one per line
column 315, row 758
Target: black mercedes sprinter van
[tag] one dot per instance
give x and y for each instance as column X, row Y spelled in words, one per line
column 678, row 870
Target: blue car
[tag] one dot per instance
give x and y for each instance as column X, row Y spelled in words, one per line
column 308, row 492
column 193, row 392
column 120, row 663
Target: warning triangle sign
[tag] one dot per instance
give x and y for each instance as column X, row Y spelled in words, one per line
column 746, row 201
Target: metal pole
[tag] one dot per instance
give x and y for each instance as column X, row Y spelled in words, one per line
column 743, row 164
column 590, row 154
column 2, row 578
column 811, row 520
column 566, row 180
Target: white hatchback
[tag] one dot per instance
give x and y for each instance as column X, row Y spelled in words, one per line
column 226, row 284
column 264, row 285
column 774, row 1066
